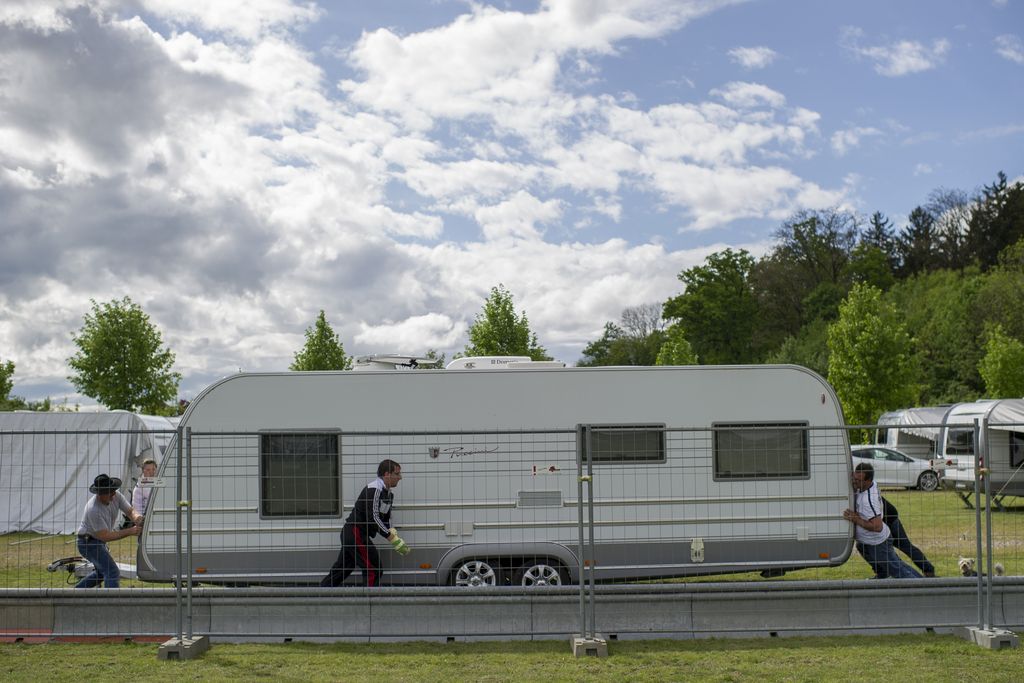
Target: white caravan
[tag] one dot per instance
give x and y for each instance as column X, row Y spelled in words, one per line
column 49, row 460
column 1005, row 447
column 757, row 480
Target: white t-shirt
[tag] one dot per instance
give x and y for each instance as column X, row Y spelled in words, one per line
column 100, row 517
column 869, row 506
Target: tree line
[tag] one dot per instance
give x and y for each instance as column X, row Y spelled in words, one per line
column 922, row 314
column 925, row 313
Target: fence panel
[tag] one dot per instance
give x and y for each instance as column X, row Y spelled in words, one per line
column 695, row 517
column 479, row 510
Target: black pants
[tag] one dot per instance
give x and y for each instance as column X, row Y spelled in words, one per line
column 356, row 551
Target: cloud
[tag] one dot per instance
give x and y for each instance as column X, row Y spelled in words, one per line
column 500, row 63
column 248, row 19
column 1009, row 46
column 923, row 169
column 845, row 140
column 898, row 58
column 419, row 333
column 753, row 57
column 991, row 133
column 748, row 95
column 215, row 175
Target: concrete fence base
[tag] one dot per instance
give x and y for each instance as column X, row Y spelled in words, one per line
column 761, row 609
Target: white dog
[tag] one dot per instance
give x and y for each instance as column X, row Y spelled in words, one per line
column 966, row 565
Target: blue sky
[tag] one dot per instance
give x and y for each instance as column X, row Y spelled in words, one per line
column 236, row 166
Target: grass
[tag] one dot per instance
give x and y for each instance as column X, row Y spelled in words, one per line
column 848, row 658
column 937, row 522
column 24, row 557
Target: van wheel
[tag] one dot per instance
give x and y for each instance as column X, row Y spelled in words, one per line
column 928, row 481
column 475, row 573
column 538, row 573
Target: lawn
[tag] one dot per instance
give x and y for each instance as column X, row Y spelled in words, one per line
column 850, row 658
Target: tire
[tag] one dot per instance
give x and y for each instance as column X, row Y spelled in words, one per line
column 539, row 572
column 475, row 574
column 928, row 481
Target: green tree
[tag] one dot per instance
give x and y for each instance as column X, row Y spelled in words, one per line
column 1000, row 295
column 636, row 342
column 918, row 243
column 997, row 221
column 717, row 308
column 880, row 234
column 804, row 276
column 323, row 349
column 601, row 351
column 120, row 360
column 1002, row 367
column 952, row 212
column 872, row 266
column 676, row 349
column 498, row 331
column 6, row 383
column 871, row 363
column 808, row 348
column 939, row 308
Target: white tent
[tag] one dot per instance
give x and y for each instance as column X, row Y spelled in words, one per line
column 924, row 422
column 915, row 431
column 49, row 460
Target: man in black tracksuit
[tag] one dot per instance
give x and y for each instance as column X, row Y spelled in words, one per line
column 370, row 516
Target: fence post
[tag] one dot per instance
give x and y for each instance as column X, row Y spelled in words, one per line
column 985, row 463
column 985, row 634
column 977, row 520
column 581, row 432
column 188, row 526
column 587, row 643
column 589, row 479
column 178, row 601
column 185, row 646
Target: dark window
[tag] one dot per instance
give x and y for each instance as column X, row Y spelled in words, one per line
column 761, row 451
column 1016, row 449
column 299, row 475
column 960, row 442
column 627, row 444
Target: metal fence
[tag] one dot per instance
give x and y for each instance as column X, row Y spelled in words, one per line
column 631, row 530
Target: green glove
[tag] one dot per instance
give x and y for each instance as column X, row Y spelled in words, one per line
column 399, row 545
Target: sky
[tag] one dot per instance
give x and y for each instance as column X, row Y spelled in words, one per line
column 235, row 166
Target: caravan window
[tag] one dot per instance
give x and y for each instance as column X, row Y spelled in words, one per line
column 761, row 451
column 627, row 444
column 299, row 475
column 960, row 442
column 1016, row 449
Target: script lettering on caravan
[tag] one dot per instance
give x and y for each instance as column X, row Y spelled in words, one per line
column 459, row 451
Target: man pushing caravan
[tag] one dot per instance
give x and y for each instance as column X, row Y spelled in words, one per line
column 371, row 515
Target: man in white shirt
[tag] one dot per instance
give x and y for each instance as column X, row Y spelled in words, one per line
column 98, row 528
column 871, row 533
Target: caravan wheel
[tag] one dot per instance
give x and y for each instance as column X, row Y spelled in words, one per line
column 475, row 573
column 538, row 573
